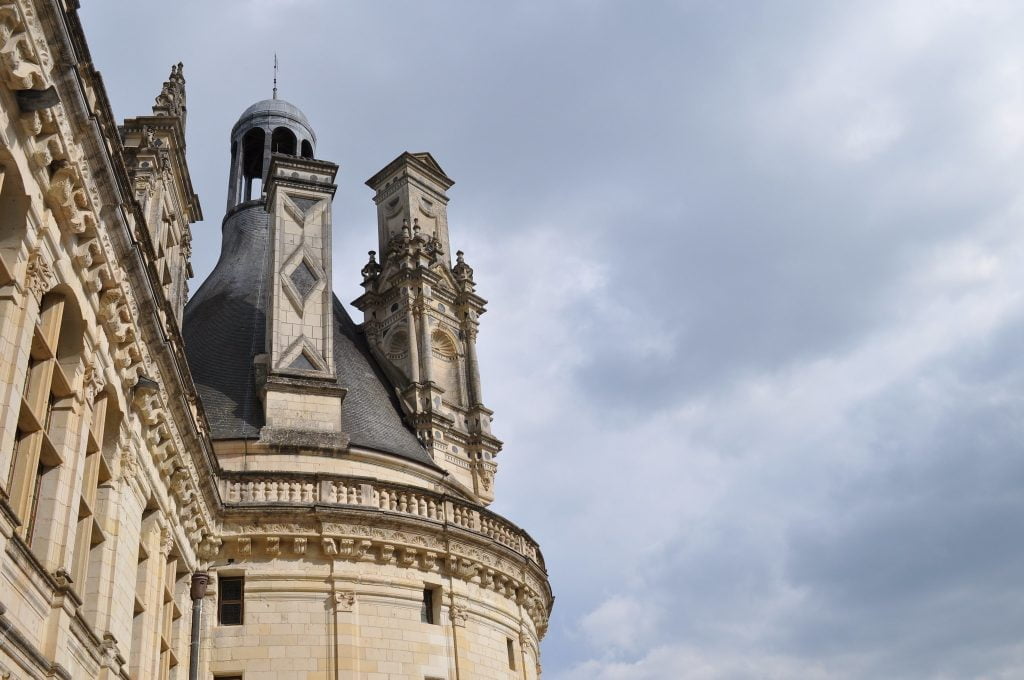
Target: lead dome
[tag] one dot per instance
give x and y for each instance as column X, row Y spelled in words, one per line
column 264, row 128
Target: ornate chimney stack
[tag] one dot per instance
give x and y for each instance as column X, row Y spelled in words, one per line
column 421, row 317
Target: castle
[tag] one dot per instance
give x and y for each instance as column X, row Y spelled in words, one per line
column 244, row 484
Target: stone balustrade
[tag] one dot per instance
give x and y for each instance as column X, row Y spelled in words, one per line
column 256, row 488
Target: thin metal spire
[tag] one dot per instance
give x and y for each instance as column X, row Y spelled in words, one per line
column 275, row 75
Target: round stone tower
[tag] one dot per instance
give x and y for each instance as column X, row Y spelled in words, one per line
column 354, row 541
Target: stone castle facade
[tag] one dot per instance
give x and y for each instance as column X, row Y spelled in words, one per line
column 244, row 483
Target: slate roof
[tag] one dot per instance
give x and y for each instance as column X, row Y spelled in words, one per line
column 225, row 326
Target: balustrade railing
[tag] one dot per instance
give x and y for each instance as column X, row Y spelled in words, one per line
column 258, row 488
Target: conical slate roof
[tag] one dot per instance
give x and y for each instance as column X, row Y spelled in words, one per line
column 225, row 326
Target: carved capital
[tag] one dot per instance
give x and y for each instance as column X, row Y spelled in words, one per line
column 92, row 381
column 39, row 276
column 128, row 464
column 458, row 615
column 166, row 544
column 344, row 600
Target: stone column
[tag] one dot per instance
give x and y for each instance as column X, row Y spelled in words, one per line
column 475, row 396
column 414, row 353
column 426, row 351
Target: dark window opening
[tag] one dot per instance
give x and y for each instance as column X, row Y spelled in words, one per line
column 252, row 162
column 307, row 149
column 230, row 601
column 427, row 613
column 283, row 141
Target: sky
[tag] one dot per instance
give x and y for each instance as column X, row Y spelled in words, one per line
column 755, row 274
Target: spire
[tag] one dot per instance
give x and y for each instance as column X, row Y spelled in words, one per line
column 171, row 100
column 275, row 76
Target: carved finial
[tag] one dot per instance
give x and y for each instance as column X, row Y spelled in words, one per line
column 171, row 100
column 405, row 228
column 416, row 225
column 462, row 271
column 372, row 270
column 275, row 75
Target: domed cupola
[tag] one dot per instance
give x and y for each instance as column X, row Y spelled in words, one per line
column 267, row 127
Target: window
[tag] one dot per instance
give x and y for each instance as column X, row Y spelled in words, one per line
column 511, row 653
column 427, row 607
column 230, row 604
column 44, row 430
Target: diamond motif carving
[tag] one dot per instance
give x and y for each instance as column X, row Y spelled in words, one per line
column 304, row 279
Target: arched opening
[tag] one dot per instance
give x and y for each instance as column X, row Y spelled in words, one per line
column 283, row 141
column 445, row 366
column 398, row 350
column 307, row 149
column 252, row 163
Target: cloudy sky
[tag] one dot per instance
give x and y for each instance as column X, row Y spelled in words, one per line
column 755, row 274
